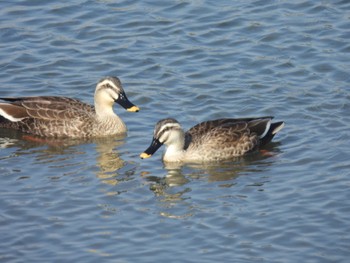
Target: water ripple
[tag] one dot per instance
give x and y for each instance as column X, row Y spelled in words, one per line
column 96, row 200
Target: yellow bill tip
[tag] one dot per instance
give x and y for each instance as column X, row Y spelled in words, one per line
column 133, row 109
column 145, row 155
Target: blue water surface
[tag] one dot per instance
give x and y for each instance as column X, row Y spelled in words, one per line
column 96, row 200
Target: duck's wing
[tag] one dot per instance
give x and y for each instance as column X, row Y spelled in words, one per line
column 228, row 136
column 44, row 107
column 257, row 125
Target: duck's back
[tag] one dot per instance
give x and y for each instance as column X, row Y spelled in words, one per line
column 224, row 138
column 48, row 116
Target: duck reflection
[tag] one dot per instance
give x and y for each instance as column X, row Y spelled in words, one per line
column 171, row 193
column 108, row 159
column 178, row 174
column 218, row 171
column 172, row 189
column 62, row 153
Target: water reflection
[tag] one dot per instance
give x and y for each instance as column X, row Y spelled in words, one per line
column 171, row 194
column 217, row 171
column 108, row 161
column 172, row 189
column 180, row 174
column 64, row 153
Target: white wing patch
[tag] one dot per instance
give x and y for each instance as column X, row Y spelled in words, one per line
column 9, row 117
column 278, row 128
column 267, row 128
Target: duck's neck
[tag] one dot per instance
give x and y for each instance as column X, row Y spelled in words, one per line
column 175, row 151
column 107, row 118
column 103, row 105
column 103, row 111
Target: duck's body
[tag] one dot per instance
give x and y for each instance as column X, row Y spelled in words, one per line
column 51, row 116
column 211, row 141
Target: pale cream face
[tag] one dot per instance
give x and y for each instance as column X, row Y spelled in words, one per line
column 108, row 91
column 168, row 133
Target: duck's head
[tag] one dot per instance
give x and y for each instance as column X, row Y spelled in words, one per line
column 110, row 90
column 167, row 131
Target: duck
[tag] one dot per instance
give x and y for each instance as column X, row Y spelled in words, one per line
column 60, row 117
column 213, row 140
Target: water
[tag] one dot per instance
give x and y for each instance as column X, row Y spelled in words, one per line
column 89, row 201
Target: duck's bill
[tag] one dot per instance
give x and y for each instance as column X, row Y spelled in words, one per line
column 133, row 109
column 145, row 155
column 155, row 145
column 126, row 104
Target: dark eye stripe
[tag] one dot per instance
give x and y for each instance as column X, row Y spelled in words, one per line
column 109, row 86
column 160, row 134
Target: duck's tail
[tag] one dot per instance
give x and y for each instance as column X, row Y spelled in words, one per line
column 272, row 131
